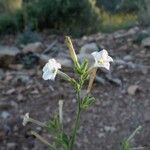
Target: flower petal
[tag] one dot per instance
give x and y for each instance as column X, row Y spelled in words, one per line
column 104, row 54
column 47, row 75
column 106, row 66
column 109, row 59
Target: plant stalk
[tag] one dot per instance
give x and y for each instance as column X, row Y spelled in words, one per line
column 77, row 121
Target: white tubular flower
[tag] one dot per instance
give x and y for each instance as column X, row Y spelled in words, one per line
column 26, row 119
column 102, row 59
column 61, row 111
column 50, row 69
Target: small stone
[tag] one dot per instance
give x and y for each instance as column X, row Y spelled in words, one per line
column 132, row 89
column 10, row 51
column 20, row 97
column 36, row 47
column 106, row 103
column 5, row 114
column 147, row 116
column 127, row 58
column 100, row 80
column 114, row 80
column 89, row 48
column 85, row 140
column 101, row 135
column 21, row 78
column 65, row 62
column 146, row 42
column 25, row 148
column 11, row 91
column 11, row 146
column 109, row 129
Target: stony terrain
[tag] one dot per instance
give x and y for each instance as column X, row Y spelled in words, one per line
column 122, row 95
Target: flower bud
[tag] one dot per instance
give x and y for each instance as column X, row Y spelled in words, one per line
column 72, row 51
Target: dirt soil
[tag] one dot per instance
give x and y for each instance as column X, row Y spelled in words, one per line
column 118, row 110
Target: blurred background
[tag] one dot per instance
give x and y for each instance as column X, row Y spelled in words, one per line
column 32, row 31
column 75, row 17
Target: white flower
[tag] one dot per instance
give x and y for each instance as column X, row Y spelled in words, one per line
column 102, row 59
column 50, row 69
column 26, row 119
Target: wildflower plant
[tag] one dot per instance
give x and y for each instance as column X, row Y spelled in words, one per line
column 61, row 139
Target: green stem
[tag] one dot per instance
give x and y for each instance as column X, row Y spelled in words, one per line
column 133, row 134
column 76, row 124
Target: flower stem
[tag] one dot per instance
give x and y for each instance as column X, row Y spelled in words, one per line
column 77, row 121
column 92, row 77
column 133, row 134
column 37, row 122
column 42, row 139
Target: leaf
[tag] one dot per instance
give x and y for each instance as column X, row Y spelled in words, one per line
column 65, row 139
column 87, row 102
column 53, row 124
column 125, row 145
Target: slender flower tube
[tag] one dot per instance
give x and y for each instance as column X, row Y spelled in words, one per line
column 61, row 111
column 102, row 59
column 42, row 139
column 50, row 69
column 64, row 76
column 27, row 119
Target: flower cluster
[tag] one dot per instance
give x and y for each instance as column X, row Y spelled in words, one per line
column 102, row 60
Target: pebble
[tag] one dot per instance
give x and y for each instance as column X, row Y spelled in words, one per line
column 11, row 146
column 127, row 58
column 147, row 116
column 34, row 47
column 109, row 129
column 5, row 114
column 132, row 89
column 101, row 135
column 89, row 48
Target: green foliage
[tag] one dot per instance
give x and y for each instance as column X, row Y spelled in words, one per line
column 109, row 5
column 53, row 124
column 111, row 22
column 116, row 6
column 144, row 12
column 10, row 5
column 128, row 6
column 60, row 16
column 2, row 6
column 67, row 16
column 86, row 102
column 125, row 145
column 60, row 137
column 10, row 22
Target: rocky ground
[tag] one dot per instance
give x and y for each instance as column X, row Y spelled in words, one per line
column 122, row 95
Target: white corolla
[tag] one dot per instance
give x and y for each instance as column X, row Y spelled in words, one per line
column 50, row 69
column 26, row 119
column 102, row 59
